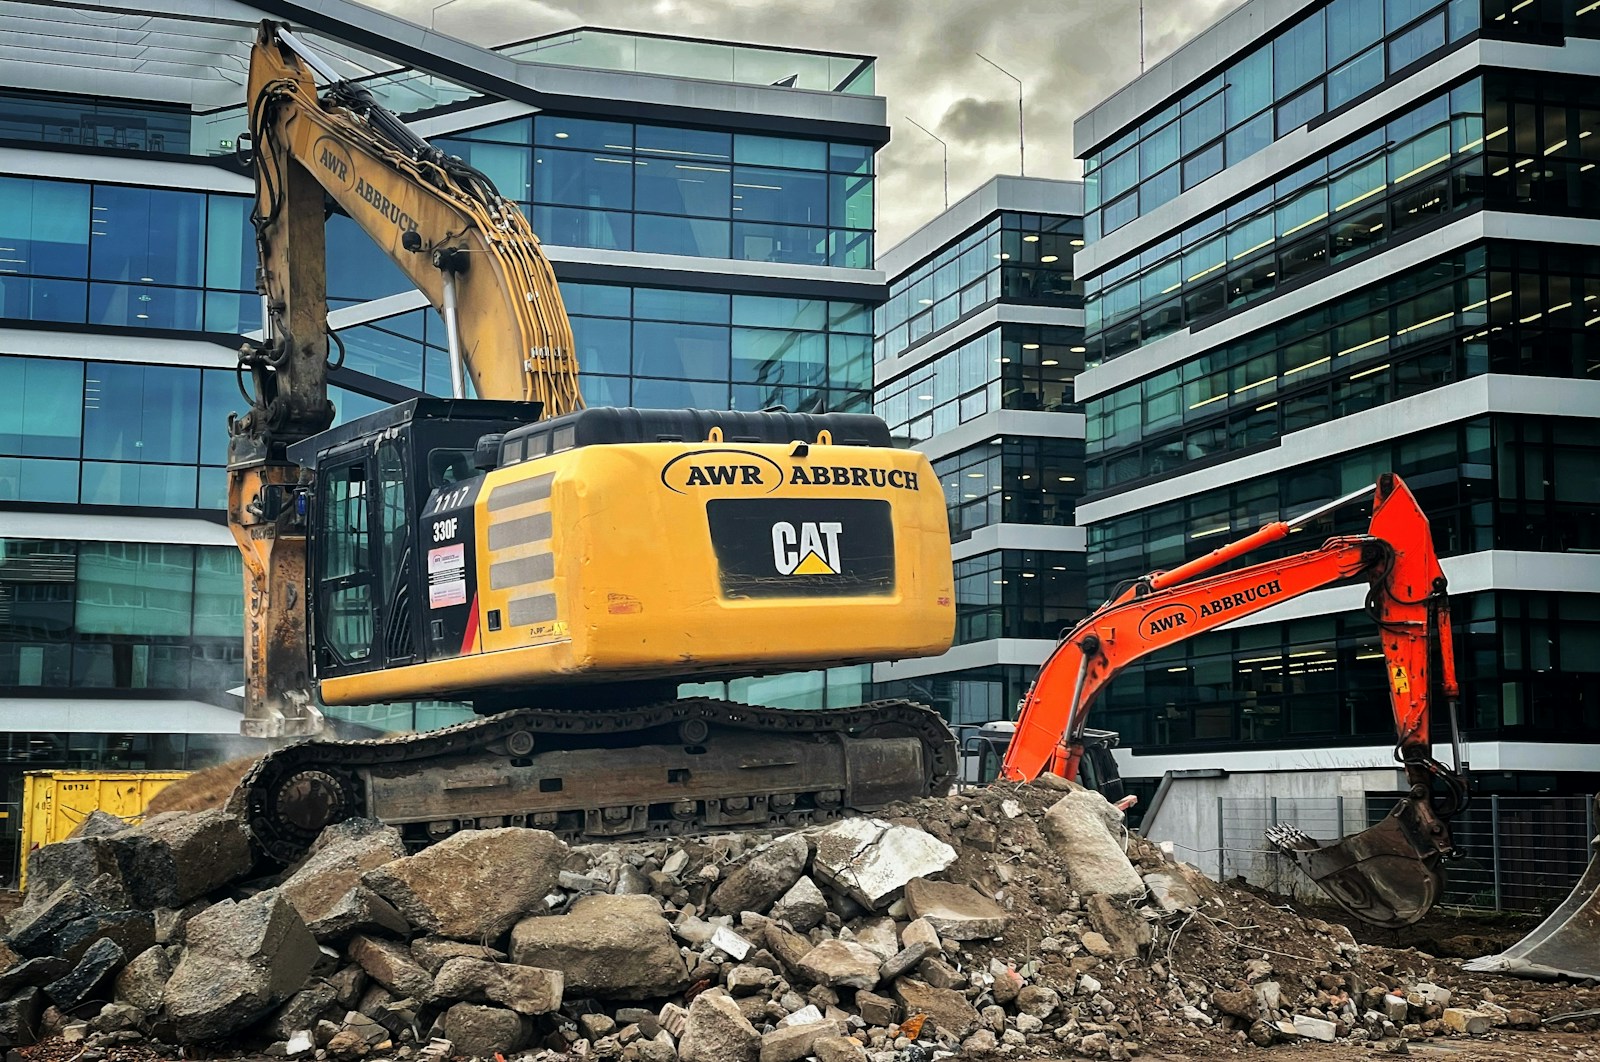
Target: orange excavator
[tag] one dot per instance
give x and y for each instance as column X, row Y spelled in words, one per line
column 1389, row 875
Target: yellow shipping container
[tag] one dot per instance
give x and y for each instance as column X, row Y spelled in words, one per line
column 55, row 802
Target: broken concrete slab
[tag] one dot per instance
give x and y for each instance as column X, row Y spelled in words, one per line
column 1315, row 1028
column 947, row 1008
column 527, row 990
column 171, row 860
column 606, row 946
column 320, row 887
column 716, row 1031
column 1079, row 828
column 905, row 960
column 242, row 960
column 142, row 979
column 870, row 860
column 475, row 884
column 769, row 873
column 879, row 936
column 91, row 974
column 840, row 964
column 20, row 1017
column 431, row 953
column 133, row 931
column 77, row 860
column 803, row 906
column 1124, row 931
column 1172, row 892
column 790, row 1043
column 480, row 1032
column 304, row 1009
column 33, row 928
column 956, row 912
column 390, row 964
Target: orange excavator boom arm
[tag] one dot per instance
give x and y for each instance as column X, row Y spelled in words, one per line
column 1164, row 608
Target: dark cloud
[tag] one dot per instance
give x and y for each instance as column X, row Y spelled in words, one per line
column 1070, row 54
column 980, row 122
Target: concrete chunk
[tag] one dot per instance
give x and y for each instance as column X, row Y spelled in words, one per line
column 321, row 888
column 1079, row 828
column 871, row 860
column 174, row 859
column 717, row 1031
column 93, row 970
column 390, row 964
column 767, row 875
column 480, row 1032
column 141, row 981
column 841, row 964
column 956, row 912
column 475, row 884
column 1171, row 892
column 1315, row 1028
column 431, row 953
column 790, row 1043
column 945, row 1007
column 803, row 906
column 1467, row 1022
column 525, row 989
column 607, row 946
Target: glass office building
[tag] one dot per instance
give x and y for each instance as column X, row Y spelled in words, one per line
column 1327, row 241
column 708, row 208
column 976, row 356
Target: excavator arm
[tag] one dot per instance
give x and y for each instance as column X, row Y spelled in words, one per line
column 470, row 251
column 1374, row 873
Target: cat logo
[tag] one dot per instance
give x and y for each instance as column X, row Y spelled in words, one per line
column 811, row 549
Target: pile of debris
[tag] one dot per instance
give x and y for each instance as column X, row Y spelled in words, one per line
column 1017, row 920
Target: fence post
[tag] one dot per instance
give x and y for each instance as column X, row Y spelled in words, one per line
column 1339, row 803
column 1494, row 832
column 1222, row 845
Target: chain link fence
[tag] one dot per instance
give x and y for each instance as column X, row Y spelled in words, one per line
column 1522, row 853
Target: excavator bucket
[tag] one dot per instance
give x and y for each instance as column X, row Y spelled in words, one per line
column 1566, row 944
column 1388, row 875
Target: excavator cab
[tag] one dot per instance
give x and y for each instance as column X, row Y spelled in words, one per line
column 368, row 566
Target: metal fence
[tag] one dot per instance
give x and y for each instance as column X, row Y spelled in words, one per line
column 1522, row 853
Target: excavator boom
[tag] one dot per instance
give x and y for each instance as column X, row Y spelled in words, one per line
column 1389, row 874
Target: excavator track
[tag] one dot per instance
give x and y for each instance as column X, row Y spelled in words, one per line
column 679, row 767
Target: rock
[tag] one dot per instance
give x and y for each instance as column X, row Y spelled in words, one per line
column 1171, row 892
column 994, row 1016
column 348, row 984
column 525, row 989
column 430, row 953
column 1123, row 930
column 790, row 1043
column 473, row 885
column 979, row 1043
column 840, row 964
column 877, row 1010
column 904, row 961
column 133, row 931
column 1028, row 1024
column 716, row 1031
column 803, row 906
column 76, row 861
column 838, row 1049
column 33, row 928
column 242, row 959
column 1466, row 1022
column 1078, row 828
column 730, row 943
column 1097, row 945
column 789, row 948
column 1422, row 994
column 1240, row 1004
column 1260, row 1034
column 920, row 930
column 766, row 876
column 1315, row 1028
column 1095, row 1045
column 20, row 1017
column 1269, row 996
column 171, row 860
column 1040, row 1001
column 870, row 860
column 1088, row 985
column 303, row 1009
column 1523, row 1018
column 878, row 936
column 1395, row 1008
column 32, row 972
column 947, row 1009
column 95, row 969
column 956, row 912
column 596, row 1026
column 479, row 1032
column 141, row 981
column 606, row 946
column 750, row 980
column 940, row 974
column 390, row 964
column 326, row 888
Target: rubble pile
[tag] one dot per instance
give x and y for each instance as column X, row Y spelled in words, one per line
column 1015, row 921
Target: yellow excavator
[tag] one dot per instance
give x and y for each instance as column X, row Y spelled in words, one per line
column 563, row 569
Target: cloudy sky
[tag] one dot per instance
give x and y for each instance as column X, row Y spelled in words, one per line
column 1070, row 54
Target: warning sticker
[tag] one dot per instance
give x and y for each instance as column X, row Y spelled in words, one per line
column 447, row 576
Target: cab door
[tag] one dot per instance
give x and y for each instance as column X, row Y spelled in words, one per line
column 346, row 583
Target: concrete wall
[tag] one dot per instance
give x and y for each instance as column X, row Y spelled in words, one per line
column 1216, row 823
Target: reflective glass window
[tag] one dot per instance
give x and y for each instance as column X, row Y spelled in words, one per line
column 1159, row 150
column 793, row 244
column 1201, row 123
column 1203, row 165
column 584, row 178
column 690, row 144
column 780, row 151
column 1295, row 112
column 668, row 304
column 1250, row 137
column 1355, row 77
column 1415, row 43
column 572, row 227
column 693, row 236
column 554, row 130
column 1353, row 25
column 605, row 345
column 1298, row 55
column 147, row 235
column 42, row 413
column 681, row 351
column 787, row 196
column 141, row 412
column 44, row 228
column 134, row 588
column 1249, row 85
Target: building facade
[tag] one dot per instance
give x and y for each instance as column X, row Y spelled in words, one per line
column 976, row 356
column 708, row 208
column 1328, row 240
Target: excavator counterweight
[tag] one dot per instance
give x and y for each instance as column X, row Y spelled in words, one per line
column 1390, row 874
